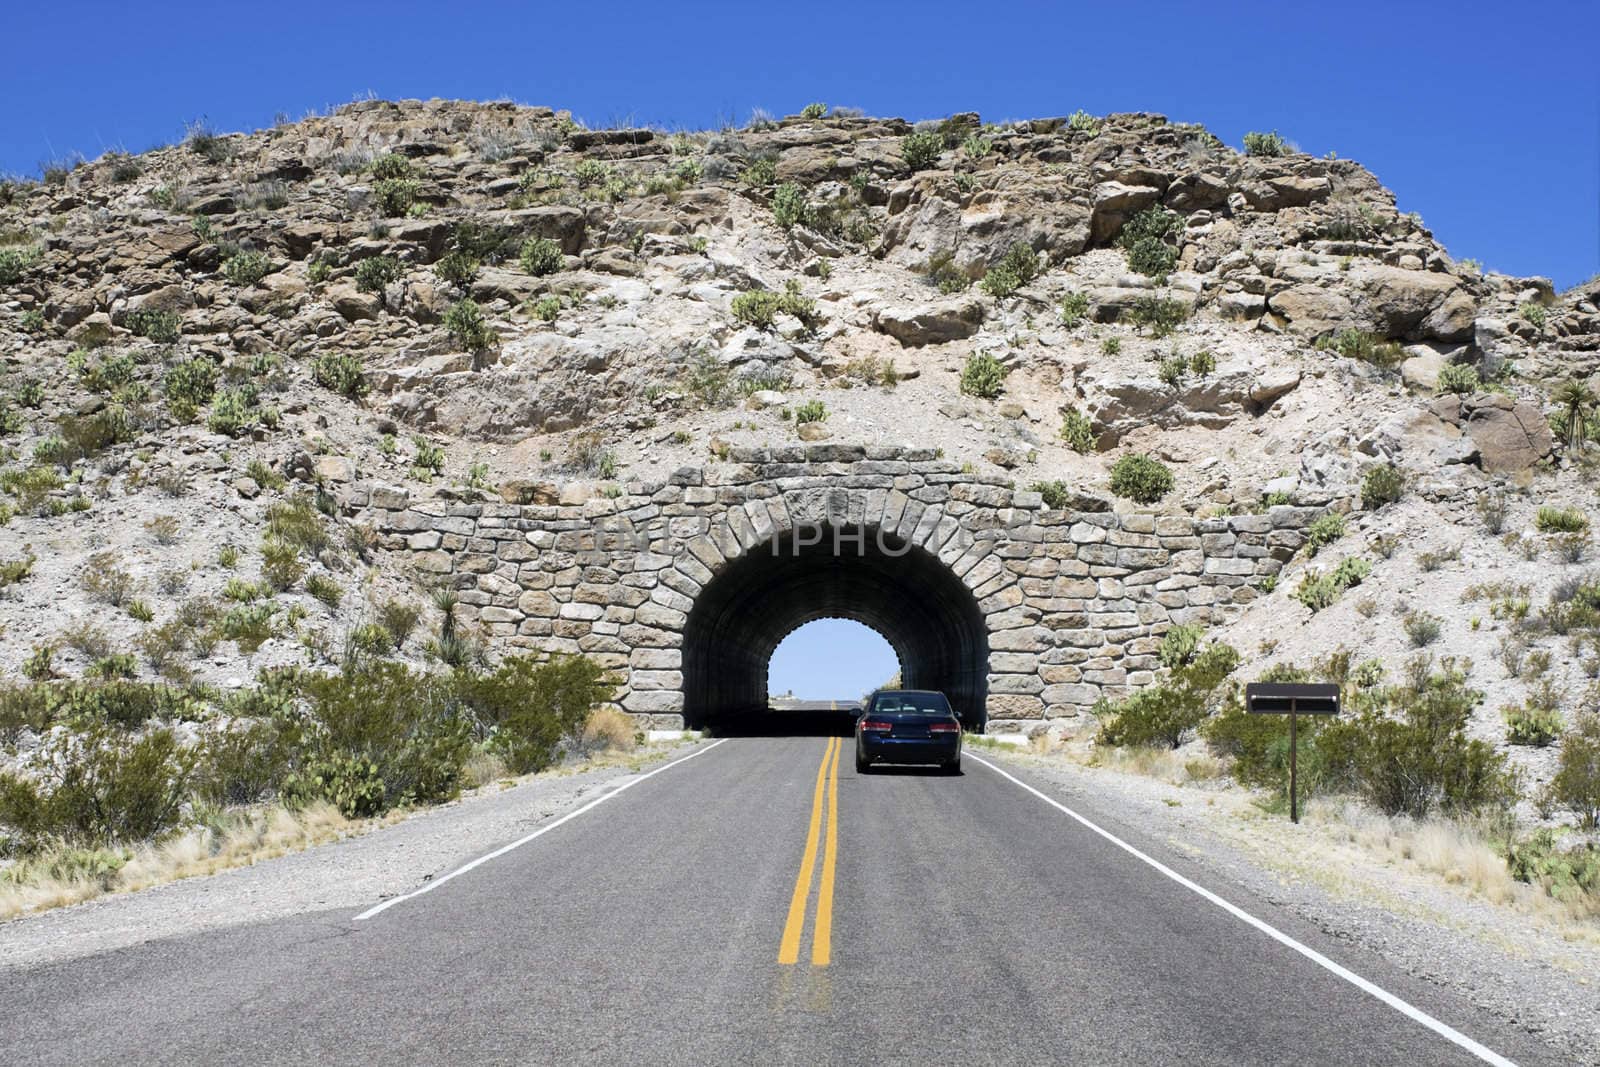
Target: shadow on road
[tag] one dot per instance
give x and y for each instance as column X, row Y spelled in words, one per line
column 810, row 718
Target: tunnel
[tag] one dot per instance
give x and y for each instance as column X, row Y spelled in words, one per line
column 860, row 573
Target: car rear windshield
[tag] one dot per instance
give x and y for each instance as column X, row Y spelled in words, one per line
column 900, row 703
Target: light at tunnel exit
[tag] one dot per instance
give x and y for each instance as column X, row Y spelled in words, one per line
column 831, row 659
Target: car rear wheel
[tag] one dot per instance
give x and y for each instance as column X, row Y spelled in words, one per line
column 862, row 766
column 953, row 767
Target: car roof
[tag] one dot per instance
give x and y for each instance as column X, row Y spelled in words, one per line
column 932, row 692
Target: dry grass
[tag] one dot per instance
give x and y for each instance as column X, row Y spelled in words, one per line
column 1462, row 853
column 608, row 730
column 237, row 839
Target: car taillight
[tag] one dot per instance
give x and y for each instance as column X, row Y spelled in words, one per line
column 943, row 728
column 876, row 726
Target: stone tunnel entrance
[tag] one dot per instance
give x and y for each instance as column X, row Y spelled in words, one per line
column 863, row 573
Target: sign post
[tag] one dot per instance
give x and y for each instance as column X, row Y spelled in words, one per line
column 1293, row 700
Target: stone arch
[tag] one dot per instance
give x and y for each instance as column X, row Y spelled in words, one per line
column 807, row 570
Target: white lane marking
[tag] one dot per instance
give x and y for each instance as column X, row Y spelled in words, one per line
column 1449, row 1033
column 568, row 817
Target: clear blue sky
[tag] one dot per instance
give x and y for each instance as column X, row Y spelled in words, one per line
column 1482, row 117
column 831, row 659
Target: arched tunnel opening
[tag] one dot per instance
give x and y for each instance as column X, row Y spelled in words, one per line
column 860, row 573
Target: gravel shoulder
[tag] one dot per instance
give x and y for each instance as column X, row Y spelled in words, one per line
column 355, row 872
column 1537, row 971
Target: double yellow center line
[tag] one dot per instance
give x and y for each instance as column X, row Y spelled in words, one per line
column 822, row 930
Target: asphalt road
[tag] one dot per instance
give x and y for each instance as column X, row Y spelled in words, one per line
column 971, row 922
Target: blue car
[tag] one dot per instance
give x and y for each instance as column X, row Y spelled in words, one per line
column 908, row 726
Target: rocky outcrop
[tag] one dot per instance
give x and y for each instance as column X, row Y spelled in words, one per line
column 1509, row 435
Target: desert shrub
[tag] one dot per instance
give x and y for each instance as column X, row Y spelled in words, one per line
column 1161, row 316
column 393, row 197
column 1324, row 531
column 1317, row 591
column 15, row 570
column 466, row 324
column 15, row 262
column 1171, row 371
column 530, row 707
column 341, row 372
column 1141, row 478
column 813, row 111
column 248, row 626
column 428, row 460
column 297, row 522
column 234, row 411
column 607, row 730
column 789, row 205
column 101, row 787
column 1077, row 431
column 1532, row 725
column 382, row 736
column 106, row 581
column 547, row 308
column 325, row 589
column 1265, row 144
column 1406, row 750
column 810, row 411
column 250, row 760
column 1147, row 240
column 190, row 386
column 1575, row 787
column 921, row 149
column 389, row 167
column 759, row 174
column 1164, row 714
column 457, row 268
column 541, row 256
column 1018, row 267
column 760, row 307
column 163, row 327
column 375, row 273
column 1566, row 874
column 1056, row 495
column 1074, row 309
column 984, row 376
column 280, row 563
column 246, row 268
column 943, row 274
column 1457, row 378
column 1560, row 520
column 1257, row 746
column 1363, row 346
column 1381, row 485
column 1203, row 362
column 398, row 619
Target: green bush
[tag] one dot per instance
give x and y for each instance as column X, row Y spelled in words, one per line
column 246, row 268
column 1161, row 316
column 1364, row 346
column 382, row 736
column 1531, row 725
column 190, row 385
column 541, row 256
column 921, row 149
column 249, row 761
column 1077, row 431
column 1324, row 531
column 1560, row 520
column 1265, row 144
column 1203, row 362
column 813, row 111
column 374, row 273
column 465, row 323
column 1141, row 478
column 984, row 376
column 1164, row 714
column 394, row 196
column 163, row 327
column 547, row 308
column 1257, row 746
column 390, row 166
column 1074, row 309
column 341, row 372
column 789, row 205
column 810, row 411
column 1457, row 378
column 1019, row 266
column 101, row 787
column 1056, row 495
column 1566, row 874
column 14, row 263
column 457, row 268
column 1406, row 750
column 530, row 707
column 1575, row 786
column 280, row 563
column 760, row 307
column 759, row 174
column 1422, row 628
column 398, row 619
column 1172, row 370
column 1147, row 239
column 1383, row 484
column 1318, row 591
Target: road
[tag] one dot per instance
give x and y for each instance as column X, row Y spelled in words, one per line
column 928, row 919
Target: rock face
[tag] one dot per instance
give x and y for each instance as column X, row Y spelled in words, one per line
column 1051, row 609
column 1509, row 435
column 932, row 323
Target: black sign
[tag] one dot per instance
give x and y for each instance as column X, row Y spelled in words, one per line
column 1280, row 698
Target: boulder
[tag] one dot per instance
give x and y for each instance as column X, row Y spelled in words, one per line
column 1510, row 435
column 933, row 323
column 1114, row 202
column 522, row 491
column 352, row 304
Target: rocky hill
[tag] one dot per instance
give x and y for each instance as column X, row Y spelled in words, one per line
column 206, row 345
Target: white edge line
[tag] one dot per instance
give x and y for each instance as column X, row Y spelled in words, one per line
column 540, row 832
column 1412, row 1012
